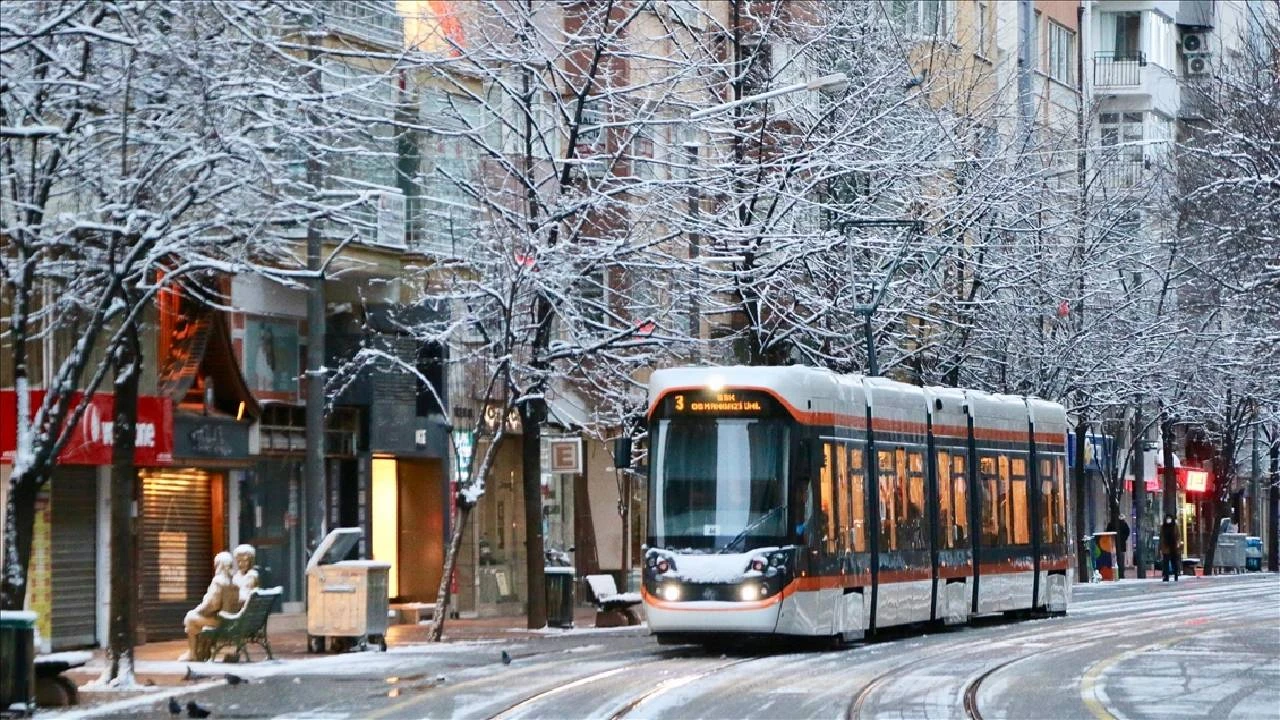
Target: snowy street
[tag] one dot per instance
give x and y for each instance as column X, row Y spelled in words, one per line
column 1203, row 647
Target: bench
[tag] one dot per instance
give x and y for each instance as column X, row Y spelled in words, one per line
column 243, row 628
column 613, row 609
column 53, row 689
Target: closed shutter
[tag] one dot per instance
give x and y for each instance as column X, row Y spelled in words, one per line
column 177, row 552
column 73, row 514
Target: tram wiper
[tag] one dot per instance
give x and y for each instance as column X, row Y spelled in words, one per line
column 742, row 535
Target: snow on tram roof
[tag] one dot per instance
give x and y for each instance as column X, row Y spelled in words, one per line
column 799, row 383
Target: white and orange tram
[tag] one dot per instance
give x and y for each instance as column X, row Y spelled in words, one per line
column 797, row 501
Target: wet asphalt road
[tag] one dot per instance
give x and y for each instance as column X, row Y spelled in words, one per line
column 1204, row 647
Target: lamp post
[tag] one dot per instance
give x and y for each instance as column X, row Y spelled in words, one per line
column 867, row 310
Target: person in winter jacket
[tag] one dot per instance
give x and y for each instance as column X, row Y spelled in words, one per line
column 1170, row 549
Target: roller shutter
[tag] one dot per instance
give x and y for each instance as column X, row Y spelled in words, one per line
column 177, row 552
column 73, row 515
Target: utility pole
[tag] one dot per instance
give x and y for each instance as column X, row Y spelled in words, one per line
column 314, row 475
column 1139, row 488
column 1255, row 487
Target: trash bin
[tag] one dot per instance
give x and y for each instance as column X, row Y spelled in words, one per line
column 346, row 599
column 1253, row 553
column 560, row 581
column 17, row 659
column 1230, row 555
column 1104, row 554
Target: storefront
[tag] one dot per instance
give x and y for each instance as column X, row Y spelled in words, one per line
column 68, row 579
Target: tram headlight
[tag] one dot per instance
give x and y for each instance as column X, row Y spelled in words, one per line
column 749, row 592
column 671, row 592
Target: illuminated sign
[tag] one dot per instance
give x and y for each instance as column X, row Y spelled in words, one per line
column 715, row 403
column 1197, row 480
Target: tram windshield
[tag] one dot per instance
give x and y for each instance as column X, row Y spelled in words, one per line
column 718, row 484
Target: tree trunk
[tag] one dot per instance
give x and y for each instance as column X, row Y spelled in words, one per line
column 1273, row 505
column 124, row 479
column 1082, row 560
column 1169, row 489
column 532, row 412
column 19, row 524
column 443, row 594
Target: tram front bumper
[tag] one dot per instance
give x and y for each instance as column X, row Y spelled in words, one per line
column 711, row 616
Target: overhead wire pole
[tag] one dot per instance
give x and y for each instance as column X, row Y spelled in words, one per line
column 314, row 482
column 867, row 310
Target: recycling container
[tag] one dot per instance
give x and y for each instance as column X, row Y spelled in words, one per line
column 1253, row 553
column 560, row 581
column 346, row 599
column 1104, row 554
column 17, row 659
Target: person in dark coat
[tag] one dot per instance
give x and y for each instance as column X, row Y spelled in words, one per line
column 1170, row 549
column 1121, row 528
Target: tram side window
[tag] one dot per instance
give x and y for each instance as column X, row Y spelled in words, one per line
column 960, row 484
column 888, row 509
column 1021, row 506
column 946, row 519
column 1053, row 516
column 844, row 513
column 826, row 521
column 916, row 527
column 857, row 486
column 990, row 500
column 1004, row 506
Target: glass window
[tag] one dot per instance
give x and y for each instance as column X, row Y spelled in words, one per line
column 719, row 484
column 857, row 482
column 1004, row 506
column 826, row 508
column 888, row 506
column 1021, row 508
column 989, row 499
column 960, row 484
column 946, row 517
column 844, row 497
column 1061, row 56
column 916, row 526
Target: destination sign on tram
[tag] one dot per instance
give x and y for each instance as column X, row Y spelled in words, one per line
column 719, row 402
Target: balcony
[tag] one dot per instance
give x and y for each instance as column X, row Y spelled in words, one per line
column 1123, row 173
column 1111, row 69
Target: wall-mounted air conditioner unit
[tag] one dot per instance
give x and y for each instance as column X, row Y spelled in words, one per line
column 1198, row 65
column 1195, row 42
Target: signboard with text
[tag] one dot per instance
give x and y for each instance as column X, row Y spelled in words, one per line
column 91, row 439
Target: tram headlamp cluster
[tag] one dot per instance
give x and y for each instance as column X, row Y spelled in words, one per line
column 749, row 592
column 671, row 592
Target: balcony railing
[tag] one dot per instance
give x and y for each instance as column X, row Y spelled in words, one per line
column 1112, row 69
column 1124, row 173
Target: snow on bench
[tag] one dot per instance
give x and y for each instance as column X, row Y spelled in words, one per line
column 606, row 596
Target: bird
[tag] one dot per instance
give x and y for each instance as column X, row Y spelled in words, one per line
column 195, row 711
column 174, row 707
column 506, row 658
column 236, row 679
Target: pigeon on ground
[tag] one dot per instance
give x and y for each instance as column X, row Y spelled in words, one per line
column 174, row 707
column 195, row 711
column 506, row 658
column 235, row 679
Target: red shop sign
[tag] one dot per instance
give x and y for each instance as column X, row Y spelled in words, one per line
column 90, row 442
column 1191, row 479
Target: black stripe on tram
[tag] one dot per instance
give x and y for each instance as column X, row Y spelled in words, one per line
column 1033, row 476
column 975, row 514
column 873, row 500
column 931, row 477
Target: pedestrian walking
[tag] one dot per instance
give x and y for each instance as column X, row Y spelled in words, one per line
column 1170, row 549
column 1121, row 528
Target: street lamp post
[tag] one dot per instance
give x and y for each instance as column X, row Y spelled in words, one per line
column 867, row 310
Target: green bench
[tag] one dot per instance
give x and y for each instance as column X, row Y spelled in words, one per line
column 241, row 629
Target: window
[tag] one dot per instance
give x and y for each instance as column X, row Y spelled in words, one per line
column 960, row 484
column 990, row 501
column 946, row 514
column 922, row 17
column 1160, row 41
column 826, row 509
column 1021, row 520
column 857, row 483
column 888, row 508
column 1119, row 34
column 1123, row 131
column 1061, row 56
column 914, row 523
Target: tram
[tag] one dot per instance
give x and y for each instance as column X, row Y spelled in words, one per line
column 797, row 501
